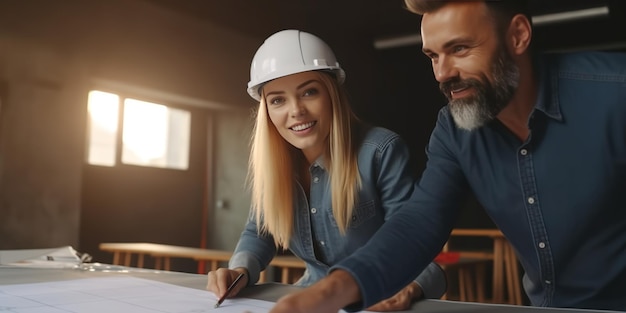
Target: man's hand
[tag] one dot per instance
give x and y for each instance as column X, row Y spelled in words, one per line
column 330, row 294
column 401, row 300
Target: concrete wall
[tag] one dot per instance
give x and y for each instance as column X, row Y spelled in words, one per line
column 53, row 52
column 228, row 218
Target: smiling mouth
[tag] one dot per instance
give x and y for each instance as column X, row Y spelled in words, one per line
column 456, row 92
column 302, row 127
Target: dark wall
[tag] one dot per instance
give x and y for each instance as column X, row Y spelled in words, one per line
column 51, row 54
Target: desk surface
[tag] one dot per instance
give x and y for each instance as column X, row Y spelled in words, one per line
column 268, row 291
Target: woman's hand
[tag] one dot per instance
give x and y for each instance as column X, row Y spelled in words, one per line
column 220, row 279
column 401, row 300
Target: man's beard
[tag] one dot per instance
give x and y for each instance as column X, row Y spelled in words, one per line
column 475, row 111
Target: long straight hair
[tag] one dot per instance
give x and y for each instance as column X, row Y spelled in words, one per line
column 274, row 164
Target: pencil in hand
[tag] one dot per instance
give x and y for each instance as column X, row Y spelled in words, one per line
column 230, row 288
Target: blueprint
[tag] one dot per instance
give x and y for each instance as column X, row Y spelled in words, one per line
column 119, row 294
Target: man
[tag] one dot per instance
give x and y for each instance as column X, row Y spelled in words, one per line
column 542, row 144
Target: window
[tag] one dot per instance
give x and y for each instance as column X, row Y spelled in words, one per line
column 151, row 134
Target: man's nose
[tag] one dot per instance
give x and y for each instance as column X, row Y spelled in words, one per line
column 444, row 69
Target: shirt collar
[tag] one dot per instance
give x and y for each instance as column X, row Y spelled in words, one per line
column 319, row 162
column 548, row 96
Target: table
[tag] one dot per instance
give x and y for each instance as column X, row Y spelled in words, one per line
column 162, row 253
column 123, row 255
column 505, row 267
column 266, row 291
column 505, row 270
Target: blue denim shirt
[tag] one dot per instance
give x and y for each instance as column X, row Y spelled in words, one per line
column 386, row 183
column 559, row 197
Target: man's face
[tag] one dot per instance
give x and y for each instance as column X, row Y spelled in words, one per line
column 474, row 69
column 489, row 98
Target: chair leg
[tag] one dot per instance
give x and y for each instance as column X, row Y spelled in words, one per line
column 480, row 282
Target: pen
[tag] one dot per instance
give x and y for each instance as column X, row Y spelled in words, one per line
column 230, row 288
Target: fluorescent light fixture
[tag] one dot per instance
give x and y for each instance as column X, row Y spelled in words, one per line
column 539, row 20
column 569, row 16
column 399, row 41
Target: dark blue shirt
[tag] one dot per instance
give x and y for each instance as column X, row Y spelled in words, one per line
column 559, row 197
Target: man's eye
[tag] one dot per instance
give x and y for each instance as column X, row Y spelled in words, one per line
column 459, row 49
column 430, row 55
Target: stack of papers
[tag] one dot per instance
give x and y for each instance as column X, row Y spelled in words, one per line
column 62, row 257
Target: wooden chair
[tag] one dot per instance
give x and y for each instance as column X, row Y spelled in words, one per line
column 470, row 274
column 505, row 271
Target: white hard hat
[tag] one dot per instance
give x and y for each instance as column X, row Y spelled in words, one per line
column 289, row 52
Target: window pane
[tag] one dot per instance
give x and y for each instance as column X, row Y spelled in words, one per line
column 155, row 135
column 103, row 110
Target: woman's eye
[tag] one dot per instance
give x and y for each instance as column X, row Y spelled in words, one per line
column 276, row 100
column 310, row 92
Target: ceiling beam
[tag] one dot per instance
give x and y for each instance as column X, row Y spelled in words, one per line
column 538, row 20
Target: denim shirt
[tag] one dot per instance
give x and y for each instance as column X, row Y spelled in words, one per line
column 559, row 196
column 386, row 183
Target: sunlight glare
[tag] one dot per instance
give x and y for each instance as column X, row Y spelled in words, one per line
column 145, row 129
column 103, row 110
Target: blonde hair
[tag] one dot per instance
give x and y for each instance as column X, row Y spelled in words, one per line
column 274, row 164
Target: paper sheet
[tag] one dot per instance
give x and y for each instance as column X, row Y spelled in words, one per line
column 118, row 294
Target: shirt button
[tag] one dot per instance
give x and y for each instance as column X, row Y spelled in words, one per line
column 548, row 282
column 322, row 243
column 523, row 152
column 313, row 210
column 542, row 245
column 531, row 200
column 316, row 179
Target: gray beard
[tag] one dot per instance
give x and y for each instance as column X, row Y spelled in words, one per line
column 470, row 114
column 474, row 112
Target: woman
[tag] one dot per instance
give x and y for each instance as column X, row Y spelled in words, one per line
column 322, row 180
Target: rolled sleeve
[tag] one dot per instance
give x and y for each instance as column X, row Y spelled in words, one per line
column 433, row 281
column 248, row 261
column 253, row 252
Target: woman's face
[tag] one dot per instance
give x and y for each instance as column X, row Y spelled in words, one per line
column 299, row 106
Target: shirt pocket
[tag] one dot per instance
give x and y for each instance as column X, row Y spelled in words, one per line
column 364, row 211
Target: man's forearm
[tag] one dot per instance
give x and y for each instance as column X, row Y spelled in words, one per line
column 343, row 284
column 330, row 294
